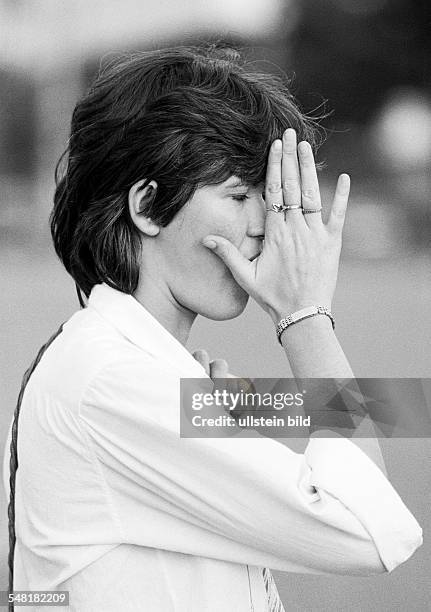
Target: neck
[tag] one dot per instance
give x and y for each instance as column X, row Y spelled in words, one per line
column 159, row 301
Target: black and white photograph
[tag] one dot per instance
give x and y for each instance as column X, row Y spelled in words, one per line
column 215, row 263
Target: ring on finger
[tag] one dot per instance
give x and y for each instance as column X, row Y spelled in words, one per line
column 276, row 207
column 311, row 210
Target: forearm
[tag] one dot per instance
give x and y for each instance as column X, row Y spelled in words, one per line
column 313, row 351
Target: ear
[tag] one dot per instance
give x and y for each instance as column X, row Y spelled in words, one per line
column 139, row 199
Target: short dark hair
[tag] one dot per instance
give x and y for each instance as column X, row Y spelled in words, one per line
column 185, row 117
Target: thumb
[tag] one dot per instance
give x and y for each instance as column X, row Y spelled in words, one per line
column 240, row 267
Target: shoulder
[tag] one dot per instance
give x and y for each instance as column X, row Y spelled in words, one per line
column 90, row 355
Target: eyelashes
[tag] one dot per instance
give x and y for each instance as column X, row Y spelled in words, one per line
column 242, row 197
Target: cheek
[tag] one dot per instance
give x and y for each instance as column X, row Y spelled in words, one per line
column 230, row 225
column 208, row 264
column 189, row 257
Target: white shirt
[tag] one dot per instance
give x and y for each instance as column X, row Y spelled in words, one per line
column 113, row 506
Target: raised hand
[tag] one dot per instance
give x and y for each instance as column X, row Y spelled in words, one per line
column 298, row 265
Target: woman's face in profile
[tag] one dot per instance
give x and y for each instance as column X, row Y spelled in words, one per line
column 197, row 277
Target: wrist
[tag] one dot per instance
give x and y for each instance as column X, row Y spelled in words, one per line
column 277, row 314
column 321, row 316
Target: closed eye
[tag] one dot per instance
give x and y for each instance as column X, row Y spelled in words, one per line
column 241, row 197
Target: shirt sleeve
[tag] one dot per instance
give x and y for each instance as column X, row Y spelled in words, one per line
column 244, row 500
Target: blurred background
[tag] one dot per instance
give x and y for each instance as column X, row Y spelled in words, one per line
column 366, row 64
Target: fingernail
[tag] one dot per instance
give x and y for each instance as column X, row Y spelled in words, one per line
column 209, row 243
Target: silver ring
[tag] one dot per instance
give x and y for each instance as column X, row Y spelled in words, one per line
column 275, row 207
column 311, row 210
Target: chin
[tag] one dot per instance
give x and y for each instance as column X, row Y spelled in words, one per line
column 225, row 307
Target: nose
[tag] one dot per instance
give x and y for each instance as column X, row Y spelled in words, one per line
column 256, row 225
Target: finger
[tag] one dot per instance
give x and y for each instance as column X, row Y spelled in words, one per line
column 337, row 214
column 238, row 386
column 203, row 358
column 273, row 188
column 291, row 181
column 219, row 368
column 219, row 373
column 310, row 192
column 240, row 267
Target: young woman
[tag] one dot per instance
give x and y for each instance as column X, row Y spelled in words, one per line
column 185, row 192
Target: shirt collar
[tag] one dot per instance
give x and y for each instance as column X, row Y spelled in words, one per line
column 139, row 326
